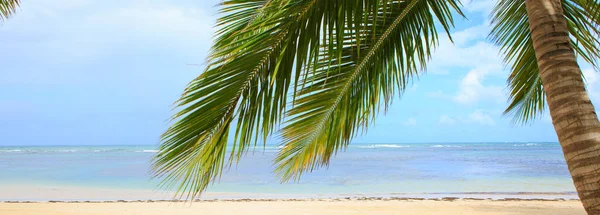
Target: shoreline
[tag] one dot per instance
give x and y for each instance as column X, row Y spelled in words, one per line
column 446, row 199
column 45, row 193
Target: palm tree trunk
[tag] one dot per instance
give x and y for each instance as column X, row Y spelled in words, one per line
column 572, row 112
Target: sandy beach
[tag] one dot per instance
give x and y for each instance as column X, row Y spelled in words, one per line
column 320, row 206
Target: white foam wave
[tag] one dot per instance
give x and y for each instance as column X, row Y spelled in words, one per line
column 446, row 146
column 11, row 150
column 383, row 146
column 65, row 150
column 148, row 150
column 528, row 144
column 32, row 151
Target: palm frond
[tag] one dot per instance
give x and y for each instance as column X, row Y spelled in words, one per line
column 363, row 63
column 511, row 32
column 241, row 81
column 8, row 8
column 250, row 70
column 360, row 51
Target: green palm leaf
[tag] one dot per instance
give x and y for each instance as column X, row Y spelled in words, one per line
column 260, row 45
column 342, row 59
column 511, row 32
column 360, row 69
column 8, row 8
column 237, row 82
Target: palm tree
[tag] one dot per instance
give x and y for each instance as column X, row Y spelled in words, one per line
column 540, row 40
column 318, row 72
column 8, row 8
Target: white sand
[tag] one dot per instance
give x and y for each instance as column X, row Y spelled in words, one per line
column 417, row 207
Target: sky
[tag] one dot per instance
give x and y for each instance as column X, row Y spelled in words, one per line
column 92, row 72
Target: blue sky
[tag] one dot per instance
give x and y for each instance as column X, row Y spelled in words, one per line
column 88, row 72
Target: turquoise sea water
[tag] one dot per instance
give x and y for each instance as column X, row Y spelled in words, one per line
column 363, row 169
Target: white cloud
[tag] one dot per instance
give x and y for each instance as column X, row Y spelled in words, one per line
column 88, row 26
column 470, row 48
column 472, row 89
column 483, row 6
column 471, row 52
column 73, row 33
column 479, row 32
column 411, row 122
column 481, row 117
column 590, row 76
column 437, row 71
column 446, row 120
column 591, row 80
column 413, row 88
column 436, row 94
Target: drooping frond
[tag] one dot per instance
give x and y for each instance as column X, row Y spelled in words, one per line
column 511, row 32
column 242, row 81
column 8, row 8
column 361, row 52
column 371, row 53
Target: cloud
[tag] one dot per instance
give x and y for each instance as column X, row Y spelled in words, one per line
column 446, row 120
column 412, row 88
column 437, row 94
column 79, row 33
column 470, row 49
column 437, row 71
column 473, row 53
column 481, row 6
column 590, row 76
column 411, row 121
column 591, row 81
column 481, row 117
column 475, row 33
column 472, row 89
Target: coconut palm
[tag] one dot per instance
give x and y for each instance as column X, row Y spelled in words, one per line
column 313, row 73
column 8, row 8
column 540, row 40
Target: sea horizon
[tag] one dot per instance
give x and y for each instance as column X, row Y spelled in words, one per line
column 271, row 144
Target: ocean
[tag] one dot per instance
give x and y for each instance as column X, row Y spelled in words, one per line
column 490, row 170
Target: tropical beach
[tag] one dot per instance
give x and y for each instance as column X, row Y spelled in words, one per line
column 299, row 107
